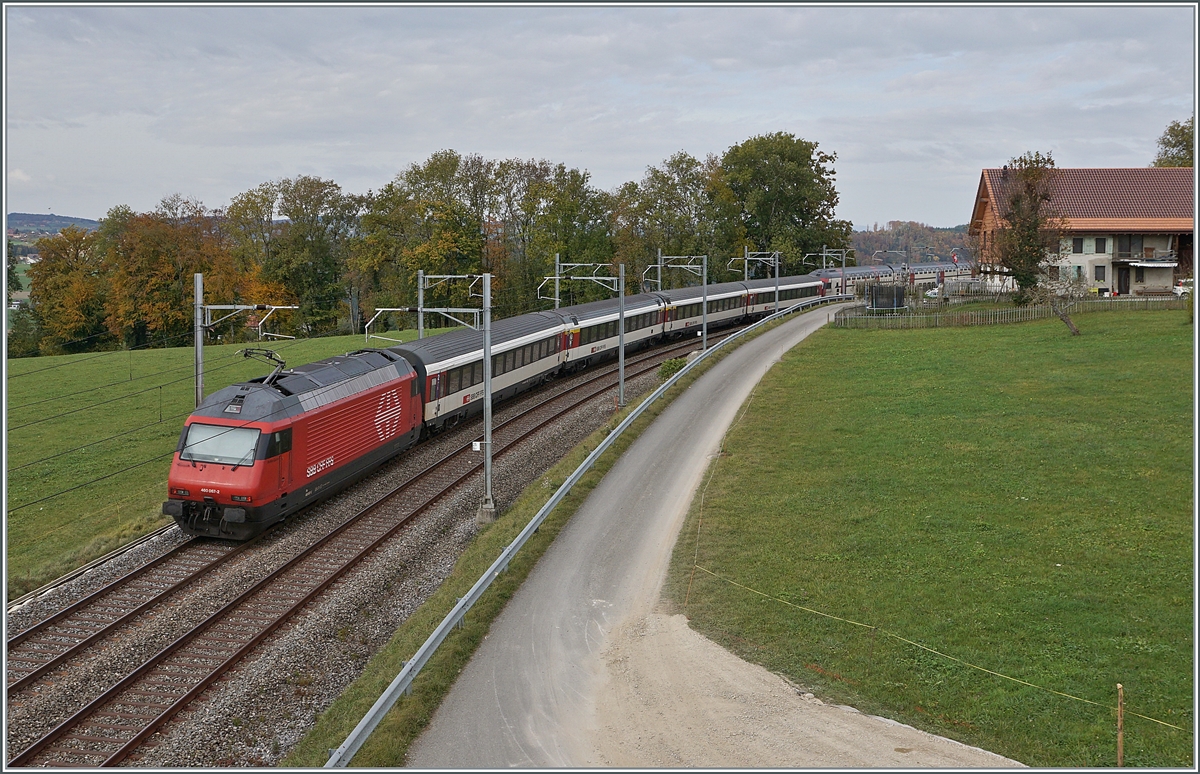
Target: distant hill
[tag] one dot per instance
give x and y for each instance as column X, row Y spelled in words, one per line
column 26, row 222
column 902, row 241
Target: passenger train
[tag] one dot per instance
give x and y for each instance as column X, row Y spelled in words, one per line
column 256, row 452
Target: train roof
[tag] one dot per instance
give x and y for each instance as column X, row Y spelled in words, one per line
column 784, row 282
column 696, row 292
column 635, row 304
column 304, row 387
column 447, row 346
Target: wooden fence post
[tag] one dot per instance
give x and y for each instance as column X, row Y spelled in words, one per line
column 1120, row 725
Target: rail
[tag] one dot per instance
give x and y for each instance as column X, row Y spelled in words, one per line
column 402, row 683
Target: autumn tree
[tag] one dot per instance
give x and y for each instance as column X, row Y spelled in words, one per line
column 785, row 187
column 1028, row 241
column 68, row 289
column 150, row 261
column 1176, row 146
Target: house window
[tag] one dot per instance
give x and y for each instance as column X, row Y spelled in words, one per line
column 1077, row 245
column 1139, row 274
column 1099, row 273
column 1101, row 245
column 1078, row 272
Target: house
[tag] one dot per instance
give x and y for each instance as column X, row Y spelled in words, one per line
column 1129, row 231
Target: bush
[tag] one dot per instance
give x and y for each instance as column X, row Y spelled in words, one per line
column 671, row 367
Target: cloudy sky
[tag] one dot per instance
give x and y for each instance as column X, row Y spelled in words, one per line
column 126, row 105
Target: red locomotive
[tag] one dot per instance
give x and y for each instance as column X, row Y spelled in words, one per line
column 256, row 452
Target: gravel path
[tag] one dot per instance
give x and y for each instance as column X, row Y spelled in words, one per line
column 263, row 707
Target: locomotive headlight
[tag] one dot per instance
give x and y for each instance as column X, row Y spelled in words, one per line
column 181, row 492
column 240, row 499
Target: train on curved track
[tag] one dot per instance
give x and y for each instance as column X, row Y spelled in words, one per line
column 256, row 452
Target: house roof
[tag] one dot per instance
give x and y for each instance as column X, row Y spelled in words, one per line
column 1137, row 199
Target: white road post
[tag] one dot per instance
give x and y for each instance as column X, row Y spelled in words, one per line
column 487, row 508
column 621, row 336
column 198, row 283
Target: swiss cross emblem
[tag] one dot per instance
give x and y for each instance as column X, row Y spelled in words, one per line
column 388, row 415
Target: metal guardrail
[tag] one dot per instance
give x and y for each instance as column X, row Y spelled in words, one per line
column 402, row 684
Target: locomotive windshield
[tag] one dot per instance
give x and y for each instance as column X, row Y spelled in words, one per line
column 222, row 445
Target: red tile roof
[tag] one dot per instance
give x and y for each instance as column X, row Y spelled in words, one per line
column 1138, row 198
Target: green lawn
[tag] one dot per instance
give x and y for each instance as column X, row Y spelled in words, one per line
column 107, row 424
column 1009, row 496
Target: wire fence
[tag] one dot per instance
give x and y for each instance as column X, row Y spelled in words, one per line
column 859, row 317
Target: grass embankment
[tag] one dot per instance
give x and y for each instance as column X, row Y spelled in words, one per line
column 107, row 423
column 388, row 745
column 1009, row 496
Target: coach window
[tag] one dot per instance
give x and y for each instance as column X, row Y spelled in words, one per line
column 497, row 364
column 455, row 381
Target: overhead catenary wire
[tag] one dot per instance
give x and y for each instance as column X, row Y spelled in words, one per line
column 94, row 356
column 158, row 457
column 233, row 361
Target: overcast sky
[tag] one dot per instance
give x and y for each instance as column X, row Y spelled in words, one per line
column 126, row 105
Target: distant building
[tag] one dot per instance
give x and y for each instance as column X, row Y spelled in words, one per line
column 1129, row 231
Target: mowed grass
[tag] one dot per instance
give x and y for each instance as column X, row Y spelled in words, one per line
column 90, row 439
column 1011, row 497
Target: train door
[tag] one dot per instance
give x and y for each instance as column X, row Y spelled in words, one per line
column 279, row 459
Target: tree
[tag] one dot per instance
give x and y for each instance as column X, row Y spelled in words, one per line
column 787, row 195
column 1176, row 147
column 308, row 257
column 150, row 260
column 67, row 291
column 1028, row 240
column 12, row 283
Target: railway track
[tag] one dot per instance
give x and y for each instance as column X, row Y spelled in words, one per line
column 112, row 726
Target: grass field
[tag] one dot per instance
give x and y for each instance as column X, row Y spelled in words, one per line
column 1010, row 497
column 89, row 443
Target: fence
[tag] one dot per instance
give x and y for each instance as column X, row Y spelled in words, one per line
column 858, row 317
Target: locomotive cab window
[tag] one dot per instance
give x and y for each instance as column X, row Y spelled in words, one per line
column 220, row 445
column 278, row 442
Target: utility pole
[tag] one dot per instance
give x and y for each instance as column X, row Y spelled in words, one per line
column 745, row 263
column 777, row 282
column 557, row 274
column 621, row 336
column 487, row 508
column 420, row 303
column 704, row 318
column 198, row 329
